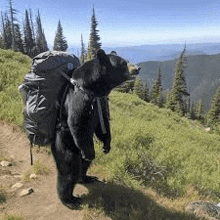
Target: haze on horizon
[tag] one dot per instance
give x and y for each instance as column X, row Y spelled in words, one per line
column 127, row 23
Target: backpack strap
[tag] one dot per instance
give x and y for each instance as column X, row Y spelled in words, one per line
column 102, row 123
column 61, row 122
column 97, row 99
column 31, row 154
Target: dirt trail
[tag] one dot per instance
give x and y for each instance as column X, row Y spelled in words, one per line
column 43, row 203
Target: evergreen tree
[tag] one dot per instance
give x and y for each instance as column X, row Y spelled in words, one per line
column 32, row 25
column 1, row 42
column 177, row 99
column 138, row 88
column 157, row 89
column 18, row 39
column 94, row 38
column 60, row 43
column 213, row 116
column 145, row 95
column 12, row 12
column 7, row 33
column 200, row 110
column 3, row 35
column 28, row 37
column 192, row 111
column 40, row 39
column 83, row 51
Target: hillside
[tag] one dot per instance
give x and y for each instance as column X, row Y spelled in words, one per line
column 202, row 75
column 13, row 67
column 159, row 162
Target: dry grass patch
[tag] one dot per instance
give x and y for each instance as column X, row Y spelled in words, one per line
column 12, row 216
column 38, row 168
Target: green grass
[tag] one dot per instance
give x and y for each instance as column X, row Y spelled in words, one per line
column 178, row 153
column 13, row 67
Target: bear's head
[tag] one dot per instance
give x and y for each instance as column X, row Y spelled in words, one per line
column 102, row 74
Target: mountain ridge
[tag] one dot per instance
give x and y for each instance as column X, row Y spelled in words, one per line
column 163, row 52
column 202, row 75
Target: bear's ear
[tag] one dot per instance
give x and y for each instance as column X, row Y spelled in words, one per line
column 104, row 59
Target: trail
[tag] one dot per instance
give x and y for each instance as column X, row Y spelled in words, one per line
column 43, row 203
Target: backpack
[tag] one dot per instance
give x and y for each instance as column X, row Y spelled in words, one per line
column 40, row 90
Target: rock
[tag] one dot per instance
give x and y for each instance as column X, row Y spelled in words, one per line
column 204, row 209
column 17, row 185
column 26, row 192
column 208, row 129
column 33, row 176
column 18, row 176
column 6, row 164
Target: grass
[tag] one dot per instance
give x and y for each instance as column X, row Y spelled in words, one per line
column 13, row 67
column 124, row 203
column 13, row 216
column 157, row 148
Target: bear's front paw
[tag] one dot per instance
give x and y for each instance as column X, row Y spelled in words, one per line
column 106, row 148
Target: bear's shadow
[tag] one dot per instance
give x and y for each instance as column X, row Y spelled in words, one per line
column 122, row 203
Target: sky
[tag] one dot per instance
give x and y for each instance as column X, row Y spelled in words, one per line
column 126, row 23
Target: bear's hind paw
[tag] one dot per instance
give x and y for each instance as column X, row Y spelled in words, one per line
column 74, row 203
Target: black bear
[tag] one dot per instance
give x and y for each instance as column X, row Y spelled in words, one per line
column 73, row 147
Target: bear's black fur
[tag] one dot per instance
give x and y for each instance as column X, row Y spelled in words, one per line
column 73, row 147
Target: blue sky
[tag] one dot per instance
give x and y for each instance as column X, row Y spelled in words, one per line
column 123, row 23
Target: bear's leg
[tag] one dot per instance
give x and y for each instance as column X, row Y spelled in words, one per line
column 85, row 178
column 68, row 161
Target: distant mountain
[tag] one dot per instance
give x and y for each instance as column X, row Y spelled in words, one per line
column 162, row 52
column 202, row 75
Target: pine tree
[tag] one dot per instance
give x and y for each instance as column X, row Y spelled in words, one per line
column 200, row 110
column 138, row 88
column 83, row 51
column 157, row 89
column 18, row 39
column 94, row 38
column 1, row 42
column 28, row 37
column 7, row 33
column 40, row 40
column 192, row 111
column 145, row 95
column 213, row 116
column 12, row 12
column 177, row 99
column 3, row 35
column 32, row 25
column 60, row 43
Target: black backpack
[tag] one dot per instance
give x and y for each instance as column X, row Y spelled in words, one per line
column 40, row 90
